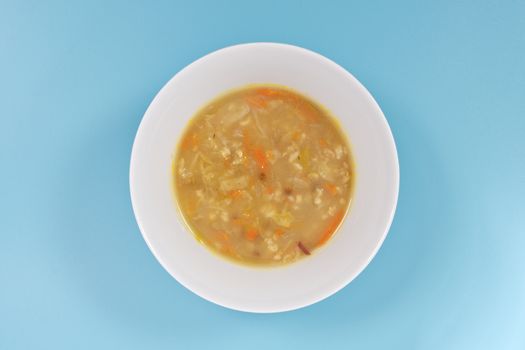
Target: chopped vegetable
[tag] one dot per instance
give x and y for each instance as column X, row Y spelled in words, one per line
column 256, row 101
column 251, row 234
column 235, row 194
column 330, row 229
column 269, row 92
column 190, row 141
column 260, row 158
column 330, row 188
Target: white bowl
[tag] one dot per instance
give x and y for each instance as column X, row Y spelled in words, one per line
column 312, row 278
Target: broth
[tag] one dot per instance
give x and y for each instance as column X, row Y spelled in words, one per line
column 263, row 175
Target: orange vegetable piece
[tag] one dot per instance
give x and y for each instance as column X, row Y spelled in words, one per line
column 235, row 194
column 256, row 101
column 269, row 92
column 260, row 158
column 330, row 229
column 330, row 188
column 251, row 234
column 279, row 232
column 190, row 141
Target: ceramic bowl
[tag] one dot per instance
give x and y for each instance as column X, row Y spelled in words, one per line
column 328, row 269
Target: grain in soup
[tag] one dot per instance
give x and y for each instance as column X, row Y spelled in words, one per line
column 263, row 175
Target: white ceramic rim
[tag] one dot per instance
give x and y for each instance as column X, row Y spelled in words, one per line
column 138, row 154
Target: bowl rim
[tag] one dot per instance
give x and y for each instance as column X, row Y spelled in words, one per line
column 395, row 177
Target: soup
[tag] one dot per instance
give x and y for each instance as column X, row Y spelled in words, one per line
column 263, row 175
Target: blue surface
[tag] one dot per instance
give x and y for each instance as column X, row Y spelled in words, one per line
column 75, row 80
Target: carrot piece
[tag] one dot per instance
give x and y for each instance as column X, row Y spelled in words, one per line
column 265, row 91
column 260, row 158
column 256, row 101
column 235, row 194
column 279, row 232
column 260, row 96
column 190, row 141
column 251, row 234
column 330, row 229
column 330, row 188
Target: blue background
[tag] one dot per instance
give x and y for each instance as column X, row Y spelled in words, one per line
column 75, row 80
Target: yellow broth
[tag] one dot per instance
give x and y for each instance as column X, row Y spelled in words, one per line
column 263, row 175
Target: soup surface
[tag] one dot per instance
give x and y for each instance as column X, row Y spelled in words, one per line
column 263, row 175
